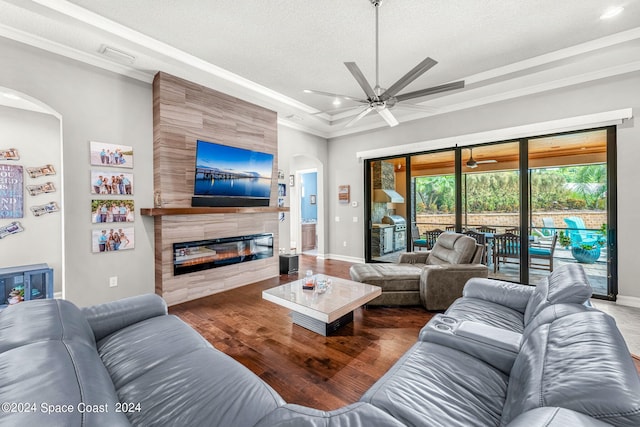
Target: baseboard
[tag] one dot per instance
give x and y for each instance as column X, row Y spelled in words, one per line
column 343, row 258
column 628, row 301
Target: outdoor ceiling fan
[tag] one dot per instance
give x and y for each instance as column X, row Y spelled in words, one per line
column 472, row 163
column 380, row 99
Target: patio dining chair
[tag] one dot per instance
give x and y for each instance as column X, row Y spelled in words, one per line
column 417, row 240
column 543, row 251
column 481, row 239
column 431, row 236
column 506, row 249
column 486, row 229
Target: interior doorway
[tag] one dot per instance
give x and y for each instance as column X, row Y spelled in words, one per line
column 309, row 211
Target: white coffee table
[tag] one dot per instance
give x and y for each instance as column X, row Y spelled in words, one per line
column 322, row 313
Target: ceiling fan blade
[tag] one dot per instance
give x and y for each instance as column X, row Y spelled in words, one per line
column 362, row 81
column 359, row 116
column 415, row 72
column 486, row 161
column 334, row 95
column 388, row 117
column 431, row 90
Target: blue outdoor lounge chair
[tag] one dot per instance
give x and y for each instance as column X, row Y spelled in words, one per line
column 578, row 232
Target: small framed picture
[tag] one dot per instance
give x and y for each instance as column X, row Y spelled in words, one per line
column 10, row 154
column 38, row 171
column 343, row 194
column 47, row 187
column 112, row 239
column 312, row 199
column 111, row 182
column 280, row 174
column 103, row 211
column 40, row 210
column 282, row 190
column 115, row 155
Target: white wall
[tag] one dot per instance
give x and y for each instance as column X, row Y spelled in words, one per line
column 603, row 95
column 101, row 106
column 36, row 136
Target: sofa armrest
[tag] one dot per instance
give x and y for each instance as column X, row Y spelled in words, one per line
column 442, row 284
column 512, row 295
column 358, row 414
column 495, row 346
column 414, row 257
column 110, row 317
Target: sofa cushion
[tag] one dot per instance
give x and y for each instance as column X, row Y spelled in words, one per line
column 452, row 248
column 487, row 312
column 180, row 379
column 432, row 385
column 566, row 284
column 390, row 277
column 358, row 414
column 48, row 357
column 579, row 362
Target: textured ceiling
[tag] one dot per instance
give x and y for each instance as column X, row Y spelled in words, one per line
column 287, row 46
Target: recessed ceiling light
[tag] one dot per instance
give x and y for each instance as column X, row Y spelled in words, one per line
column 611, row 12
column 11, row 96
column 336, row 102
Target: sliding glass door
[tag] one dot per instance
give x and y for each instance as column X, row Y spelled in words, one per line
column 534, row 204
column 491, row 204
column 570, row 209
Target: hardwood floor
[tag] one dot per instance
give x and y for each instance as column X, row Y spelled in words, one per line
column 305, row 368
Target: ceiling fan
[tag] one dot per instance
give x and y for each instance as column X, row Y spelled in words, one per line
column 380, row 99
column 472, row 163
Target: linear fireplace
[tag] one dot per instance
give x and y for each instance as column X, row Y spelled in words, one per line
column 205, row 254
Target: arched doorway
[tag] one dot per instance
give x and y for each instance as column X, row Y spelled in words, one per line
column 34, row 130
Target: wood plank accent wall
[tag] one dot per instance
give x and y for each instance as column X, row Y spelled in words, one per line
column 184, row 112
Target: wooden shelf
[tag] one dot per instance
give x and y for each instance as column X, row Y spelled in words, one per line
column 205, row 211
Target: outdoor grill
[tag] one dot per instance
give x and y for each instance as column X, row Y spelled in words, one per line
column 399, row 230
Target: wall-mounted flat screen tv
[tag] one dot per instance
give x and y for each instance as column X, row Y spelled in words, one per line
column 231, row 176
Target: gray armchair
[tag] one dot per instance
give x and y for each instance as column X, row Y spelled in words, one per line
column 433, row 278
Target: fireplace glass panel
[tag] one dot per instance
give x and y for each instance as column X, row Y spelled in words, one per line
column 205, row 254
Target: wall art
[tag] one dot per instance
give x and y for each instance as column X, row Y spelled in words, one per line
column 38, row 171
column 11, row 191
column 112, row 239
column 103, row 154
column 40, row 210
column 11, row 228
column 9, row 154
column 103, row 211
column 343, row 194
column 47, row 187
column 110, row 182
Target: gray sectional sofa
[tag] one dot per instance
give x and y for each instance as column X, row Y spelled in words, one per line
column 130, row 363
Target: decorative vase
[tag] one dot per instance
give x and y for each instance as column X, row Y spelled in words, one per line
column 585, row 256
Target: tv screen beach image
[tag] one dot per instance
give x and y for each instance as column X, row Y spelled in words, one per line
column 232, row 172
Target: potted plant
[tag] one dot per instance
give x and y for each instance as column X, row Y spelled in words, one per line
column 586, row 253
